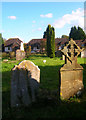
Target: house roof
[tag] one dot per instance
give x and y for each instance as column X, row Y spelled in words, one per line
column 58, row 41
column 13, row 42
column 36, row 41
column 84, row 42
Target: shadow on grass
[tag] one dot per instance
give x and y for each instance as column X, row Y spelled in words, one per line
column 47, row 106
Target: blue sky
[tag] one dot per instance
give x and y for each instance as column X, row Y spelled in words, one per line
column 29, row 20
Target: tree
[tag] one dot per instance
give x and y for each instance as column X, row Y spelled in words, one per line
column 29, row 50
column 25, row 46
column 77, row 33
column 1, row 43
column 43, row 46
column 1, row 39
column 65, row 36
column 45, row 35
column 50, row 41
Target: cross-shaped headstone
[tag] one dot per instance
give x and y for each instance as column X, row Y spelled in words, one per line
column 71, row 50
column 71, row 72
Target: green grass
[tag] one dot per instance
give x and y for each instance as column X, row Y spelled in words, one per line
column 49, row 82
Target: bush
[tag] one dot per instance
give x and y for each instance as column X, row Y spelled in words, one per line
column 27, row 54
column 12, row 54
column 4, row 55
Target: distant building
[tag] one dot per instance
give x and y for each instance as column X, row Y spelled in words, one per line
column 37, row 45
column 13, row 44
column 40, row 44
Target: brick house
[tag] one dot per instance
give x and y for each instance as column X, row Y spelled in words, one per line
column 40, row 44
column 13, row 44
column 36, row 44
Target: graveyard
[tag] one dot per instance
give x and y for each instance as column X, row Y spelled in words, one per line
column 48, row 104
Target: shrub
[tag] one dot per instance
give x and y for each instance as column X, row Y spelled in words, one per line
column 27, row 54
column 12, row 54
column 4, row 54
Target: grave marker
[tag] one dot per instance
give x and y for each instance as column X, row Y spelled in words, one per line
column 71, row 72
column 20, row 54
column 24, row 83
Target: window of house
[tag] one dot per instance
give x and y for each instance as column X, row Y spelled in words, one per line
column 8, row 48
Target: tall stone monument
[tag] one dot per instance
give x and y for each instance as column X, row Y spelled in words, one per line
column 24, row 83
column 71, row 72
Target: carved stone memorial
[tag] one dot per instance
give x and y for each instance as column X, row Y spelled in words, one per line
column 24, row 83
column 20, row 54
column 71, row 72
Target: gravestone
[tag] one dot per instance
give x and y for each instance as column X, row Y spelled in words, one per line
column 71, row 73
column 83, row 53
column 63, row 57
column 20, row 54
column 24, row 83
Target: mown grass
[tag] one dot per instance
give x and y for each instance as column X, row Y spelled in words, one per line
column 48, row 105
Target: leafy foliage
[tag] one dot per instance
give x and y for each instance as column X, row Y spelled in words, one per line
column 65, row 36
column 77, row 33
column 1, row 39
column 43, row 46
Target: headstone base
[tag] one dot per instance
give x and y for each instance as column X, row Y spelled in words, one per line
column 71, row 82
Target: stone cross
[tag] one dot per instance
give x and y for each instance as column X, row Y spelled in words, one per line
column 71, row 73
column 71, row 50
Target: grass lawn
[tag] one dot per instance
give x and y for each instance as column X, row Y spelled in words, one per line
column 48, row 105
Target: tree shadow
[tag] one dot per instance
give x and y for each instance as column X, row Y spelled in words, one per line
column 47, row 104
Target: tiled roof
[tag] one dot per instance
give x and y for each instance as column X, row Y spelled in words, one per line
column 12, row 41
column 84, row 42
column 35, row 41
column 58, row 41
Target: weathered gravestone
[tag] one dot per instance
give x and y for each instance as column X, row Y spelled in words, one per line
column 63, row 57
column 20, row 54
column 71, row 72
column 83, row 53
column 24, row 83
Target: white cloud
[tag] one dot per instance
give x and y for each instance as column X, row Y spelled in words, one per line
column 12, row 17
column 39, row 29
column 2, row 31
column 75, row 18
column 33, row 21
column 49, row 15
column 33, row 30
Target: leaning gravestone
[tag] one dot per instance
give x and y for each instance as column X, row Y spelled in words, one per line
column 24, row 83
column 71, row 72
column 20, row 54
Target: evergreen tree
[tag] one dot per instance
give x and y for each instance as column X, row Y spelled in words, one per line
column 81, row 33
column 50, row 41
column 52, row 54
column 45, row 35
column 77, row 33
